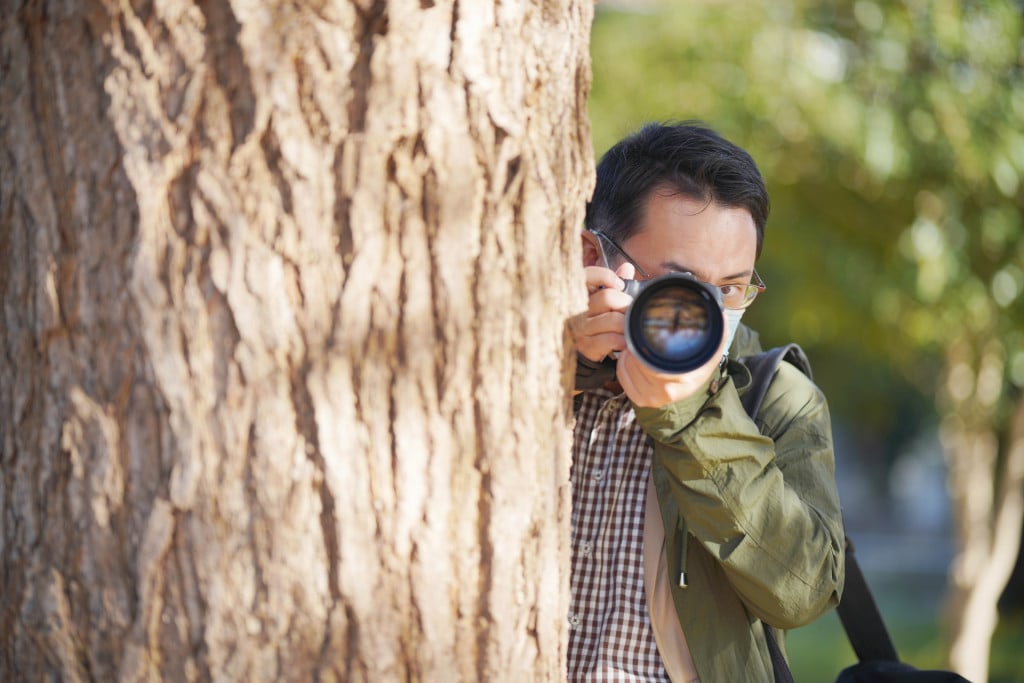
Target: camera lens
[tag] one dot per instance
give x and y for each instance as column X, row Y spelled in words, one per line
column 674, row 324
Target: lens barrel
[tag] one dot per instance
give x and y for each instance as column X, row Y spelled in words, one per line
column 674, row 324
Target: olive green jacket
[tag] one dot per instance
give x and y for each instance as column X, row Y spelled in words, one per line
column 751, row 514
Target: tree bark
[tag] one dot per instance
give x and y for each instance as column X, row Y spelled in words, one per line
column 283, row 393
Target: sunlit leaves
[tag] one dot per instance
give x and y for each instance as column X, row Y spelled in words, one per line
column 892, row 137
column 1007, row 285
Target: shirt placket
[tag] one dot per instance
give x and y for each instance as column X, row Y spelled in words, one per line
column 589, row 566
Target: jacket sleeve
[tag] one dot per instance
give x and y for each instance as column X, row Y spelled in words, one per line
column 764, row 505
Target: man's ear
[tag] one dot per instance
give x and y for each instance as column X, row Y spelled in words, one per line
column 592, row 254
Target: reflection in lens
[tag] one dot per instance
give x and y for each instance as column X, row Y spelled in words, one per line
column 675, row 323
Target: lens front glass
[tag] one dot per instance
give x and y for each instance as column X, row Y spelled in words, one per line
column 675, row 324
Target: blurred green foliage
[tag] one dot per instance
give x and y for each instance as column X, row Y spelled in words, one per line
column 891, row 135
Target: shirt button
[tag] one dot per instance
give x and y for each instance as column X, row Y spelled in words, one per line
column 586, row 548
column 598, row 475
column 574, row 620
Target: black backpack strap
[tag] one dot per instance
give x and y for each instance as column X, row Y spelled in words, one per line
column 780, row 668
column 762, row 368
column 860, row 616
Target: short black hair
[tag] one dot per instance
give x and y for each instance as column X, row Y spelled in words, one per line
column 686, row 158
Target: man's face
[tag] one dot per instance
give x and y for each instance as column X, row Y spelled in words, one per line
column 716, row 244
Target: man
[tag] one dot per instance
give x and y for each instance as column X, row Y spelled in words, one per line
column 693, row 527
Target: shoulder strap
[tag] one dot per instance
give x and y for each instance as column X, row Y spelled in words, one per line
column 860, row 616
column 780, row 667
column 857, row 610
column 762, row 368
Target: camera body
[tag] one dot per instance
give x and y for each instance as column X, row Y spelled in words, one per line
column 674, row 324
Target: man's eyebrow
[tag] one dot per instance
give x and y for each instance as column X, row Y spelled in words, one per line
column 677, row 267
column 680, row 268
column 745, row 275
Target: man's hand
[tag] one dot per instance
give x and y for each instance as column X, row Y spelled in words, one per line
column 602, row 329
column 650, row 389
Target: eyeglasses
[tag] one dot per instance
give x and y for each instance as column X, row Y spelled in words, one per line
column 734, row 297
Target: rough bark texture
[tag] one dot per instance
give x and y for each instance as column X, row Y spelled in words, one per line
column 986, row 479
column 283, row 385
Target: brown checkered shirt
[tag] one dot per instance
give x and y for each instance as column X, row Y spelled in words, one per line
column 610, row 636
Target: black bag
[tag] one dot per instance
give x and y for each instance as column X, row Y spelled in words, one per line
column 878, row 660
column 894, row 672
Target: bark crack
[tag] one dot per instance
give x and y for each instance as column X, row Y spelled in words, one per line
column 484, row 502
column 305, row 423
column 373, row 23
column 228, row 66
column 255, row 535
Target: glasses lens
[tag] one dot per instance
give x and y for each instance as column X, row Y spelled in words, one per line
column 738, row 296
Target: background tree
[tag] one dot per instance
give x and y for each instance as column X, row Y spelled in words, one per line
column 283, row 378
column 892, row 137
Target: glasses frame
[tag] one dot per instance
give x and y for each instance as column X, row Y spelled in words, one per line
column 749, row 294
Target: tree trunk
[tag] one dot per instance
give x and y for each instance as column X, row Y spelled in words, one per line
column 986, row 478
column 283, row 393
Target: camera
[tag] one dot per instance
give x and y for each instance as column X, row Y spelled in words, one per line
column 674, row 324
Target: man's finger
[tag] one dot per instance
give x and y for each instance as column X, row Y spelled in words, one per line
column 598, row 278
